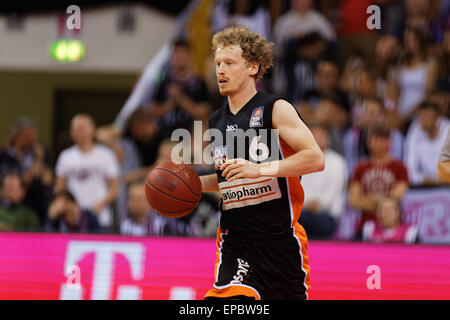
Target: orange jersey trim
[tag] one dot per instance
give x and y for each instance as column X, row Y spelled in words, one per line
column 301, row 236
column 233, row 290
column 295, row 189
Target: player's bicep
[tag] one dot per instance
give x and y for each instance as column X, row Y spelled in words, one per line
column 291, row 128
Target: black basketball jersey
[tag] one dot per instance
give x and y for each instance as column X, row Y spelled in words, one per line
column 264, row 205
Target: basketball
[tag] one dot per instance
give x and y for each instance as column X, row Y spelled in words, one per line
column 173, row 190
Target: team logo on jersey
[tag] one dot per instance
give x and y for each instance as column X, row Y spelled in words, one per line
column 256, row 120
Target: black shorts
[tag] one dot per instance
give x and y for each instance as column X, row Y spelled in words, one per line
column 271, row 267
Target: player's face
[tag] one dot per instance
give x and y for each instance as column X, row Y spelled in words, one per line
column 232, row 70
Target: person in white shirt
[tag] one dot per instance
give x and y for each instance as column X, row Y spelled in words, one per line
column 424, row 142
column 324, row 191
column 301, row 19
column 88, row 170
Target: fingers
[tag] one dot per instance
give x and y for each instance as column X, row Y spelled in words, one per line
column 230, row 167
column 230, row 162
column 231, row 173
column 236, row 176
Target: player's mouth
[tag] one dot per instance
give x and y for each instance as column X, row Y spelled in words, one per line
column 222, row 82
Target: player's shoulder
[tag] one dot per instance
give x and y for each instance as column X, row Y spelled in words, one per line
column 271, row 97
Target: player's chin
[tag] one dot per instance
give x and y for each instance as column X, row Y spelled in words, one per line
column 225, row 92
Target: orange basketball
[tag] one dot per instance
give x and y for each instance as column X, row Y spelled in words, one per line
column 173, row 190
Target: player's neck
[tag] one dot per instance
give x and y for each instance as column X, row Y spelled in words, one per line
column 241, row 97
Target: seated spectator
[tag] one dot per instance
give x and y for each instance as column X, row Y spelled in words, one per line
column 326, row 84
column 65, row 215
column 88, row 170
column 355, row 138
column 444, row 64
column 333, row 114
column 299, row 66
column 365, row 87
column 415, row 77
column 386, row 54
column 136, row 151
column 444, row 160
column 181, row 97
column 300, row 20
column 25, row 155
column 324, row 191
column 377, row 177
column 388, row 226
column 351, row 28
column 250, row 13
column 140, row 221
column 423, row 144
column 14, row 216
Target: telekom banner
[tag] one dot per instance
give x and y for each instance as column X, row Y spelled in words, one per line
column 57, row 266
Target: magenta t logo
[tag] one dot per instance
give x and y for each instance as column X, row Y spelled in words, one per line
column 103, row 269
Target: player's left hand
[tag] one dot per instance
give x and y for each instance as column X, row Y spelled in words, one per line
column 233, row 169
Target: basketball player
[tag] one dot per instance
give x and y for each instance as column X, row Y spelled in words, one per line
column 262, row 250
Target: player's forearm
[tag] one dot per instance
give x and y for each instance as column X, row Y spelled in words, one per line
column 209, row 183
column 301, row 163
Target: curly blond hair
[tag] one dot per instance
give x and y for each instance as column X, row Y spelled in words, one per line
column 255, row 49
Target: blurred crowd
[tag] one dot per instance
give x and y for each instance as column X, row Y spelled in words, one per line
column 376, row 100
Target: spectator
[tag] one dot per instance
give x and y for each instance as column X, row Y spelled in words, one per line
column 353, row 33
column 387, row 50
column 65, row 215
column 250, row 13
column 89, row 171
column 333, row 114
column 388, row 226
column 324, row 191
column 300, row 20
column 415, row 77
column 25, row 155
column 141, row 220
column 377, row 177
column 326, row 84
column 14, row 216
column 365, row 87
column 444, row 64
column 181, row 97
column 302, row 56
column 444, row 160
column 355, row 138
column 423, row 144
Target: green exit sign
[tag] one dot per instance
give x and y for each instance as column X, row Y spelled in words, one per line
column 67, row 50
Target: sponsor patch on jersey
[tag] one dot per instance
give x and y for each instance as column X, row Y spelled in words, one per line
column 246, row 192
column 256, row 120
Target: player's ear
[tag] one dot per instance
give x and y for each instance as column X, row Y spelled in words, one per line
column 254, row 68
